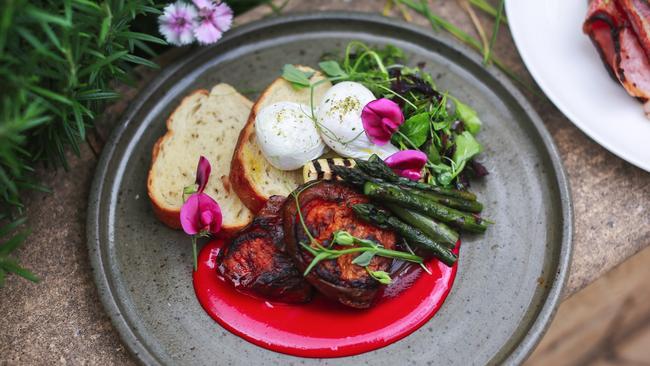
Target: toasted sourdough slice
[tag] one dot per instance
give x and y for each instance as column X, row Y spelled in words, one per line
column 205, row 123
column 252, row 177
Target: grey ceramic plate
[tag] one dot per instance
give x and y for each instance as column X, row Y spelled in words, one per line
column 509, row 280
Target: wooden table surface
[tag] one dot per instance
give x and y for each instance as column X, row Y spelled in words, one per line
column 62, row 321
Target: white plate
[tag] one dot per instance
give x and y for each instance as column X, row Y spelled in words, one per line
column 567, row 67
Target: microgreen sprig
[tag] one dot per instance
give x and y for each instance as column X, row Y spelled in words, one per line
column 368, row 249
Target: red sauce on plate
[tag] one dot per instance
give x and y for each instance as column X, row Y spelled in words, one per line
column 322, row 328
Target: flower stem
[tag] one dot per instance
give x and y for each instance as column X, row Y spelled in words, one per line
column 194, row 253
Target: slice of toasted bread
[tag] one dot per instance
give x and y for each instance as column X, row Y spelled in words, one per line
column 252, row 177
column 205, row 123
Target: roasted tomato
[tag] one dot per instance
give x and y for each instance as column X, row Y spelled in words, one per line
column 326, row 209
column 256, row 259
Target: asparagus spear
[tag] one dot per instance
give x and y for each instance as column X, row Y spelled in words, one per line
column 384, row 219
column 426, row 206
column 356, row 177
column 376, row 167
column 453, row 202
column 437, row 231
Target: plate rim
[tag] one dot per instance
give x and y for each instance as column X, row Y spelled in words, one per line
column 533, row 69
column 146, row 356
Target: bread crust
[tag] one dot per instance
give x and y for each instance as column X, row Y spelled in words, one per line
column 168, row 215
column 241, row 183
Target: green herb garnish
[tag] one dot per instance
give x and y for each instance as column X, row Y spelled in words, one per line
column 368, row 249
column 297, row 78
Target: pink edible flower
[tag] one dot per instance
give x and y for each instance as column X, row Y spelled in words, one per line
column 214, row 18
column 177, row 23
column 407, row 163
column 381, row 118
column 201, row 214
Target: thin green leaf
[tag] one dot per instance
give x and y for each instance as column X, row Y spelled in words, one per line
column 5, row 230
column 6, row 16
column 88, row 4
column 13, row 267
column 447, row 26
column 102, row 62
column 49, row 94
column 332, row 69
column 51, row 35
column 424, row 4
column 2, row 277
column 315, row 261
column 487, row 8
column 106, row 23
column 98, row 95
column 495, row 32
column 364, row 258
column 42, row 16
column 8, row 184
column 81, row 128
column 13, row 243
column 139, row 60
column 33, row 186
column 148, row 9
column 142, row 37
column 295, row 76
column 37, row 44
column 144, row 47
column 469, row 116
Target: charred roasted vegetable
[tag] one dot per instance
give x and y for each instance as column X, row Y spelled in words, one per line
column 256, row 259
column 325, row 208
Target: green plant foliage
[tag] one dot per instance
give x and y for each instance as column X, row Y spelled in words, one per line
column 59, row 61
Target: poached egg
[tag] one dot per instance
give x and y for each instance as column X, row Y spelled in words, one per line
column 287, row 135
column 339, row 122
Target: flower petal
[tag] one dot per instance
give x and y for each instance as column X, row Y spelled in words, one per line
column 223, row 17
column 201, row 213
column 380, row 119
column 203, row 3
column 209, row 217
column 203, row 170
column 407, row 163
column 207, row 33
column 189, row 212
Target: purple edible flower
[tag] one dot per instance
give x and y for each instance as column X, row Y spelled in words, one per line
column 214, row 18
column 177, row 23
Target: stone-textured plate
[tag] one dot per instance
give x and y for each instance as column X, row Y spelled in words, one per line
column 509, row 280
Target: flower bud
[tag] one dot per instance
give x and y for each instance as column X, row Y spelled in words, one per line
column 343, row 238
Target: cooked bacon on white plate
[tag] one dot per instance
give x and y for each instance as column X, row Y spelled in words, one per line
column 621, row 48
column 638, row 13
